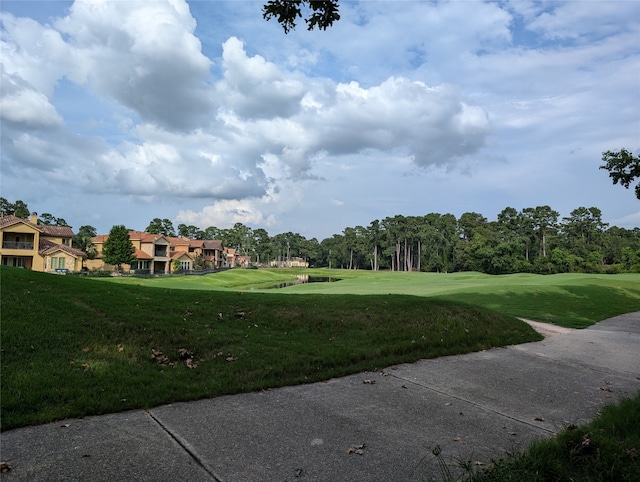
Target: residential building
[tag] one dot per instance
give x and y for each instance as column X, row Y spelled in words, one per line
column 156, row 254
column 27, row 244
column 212, row 251
column 231, row 257
column 289, row 263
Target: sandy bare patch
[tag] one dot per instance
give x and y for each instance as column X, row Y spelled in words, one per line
column 547, row 329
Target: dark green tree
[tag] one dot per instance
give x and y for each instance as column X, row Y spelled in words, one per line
column 163, row 227
column 48, row 219
column 515, row 229
column 118, row 249
column 191, row 232
column 240, row 237
column 545, row 221
column 82, row 239
column 6, row 208
column 318, row 13
column 623, row 168
column 261, row 243
column 21, row 209
column 469, row 222
column 583, row 230
column 212, row 233
column 18, row 209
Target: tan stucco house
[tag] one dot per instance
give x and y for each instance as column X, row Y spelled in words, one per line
column 156, row 254
column 27, row 244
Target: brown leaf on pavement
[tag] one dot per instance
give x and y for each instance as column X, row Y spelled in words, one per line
column 356, row 449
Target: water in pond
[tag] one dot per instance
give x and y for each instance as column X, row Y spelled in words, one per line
column 305, row 278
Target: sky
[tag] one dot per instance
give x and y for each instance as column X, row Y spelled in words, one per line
column 203, row 113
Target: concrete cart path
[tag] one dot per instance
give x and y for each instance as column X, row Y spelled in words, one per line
column 364, row 427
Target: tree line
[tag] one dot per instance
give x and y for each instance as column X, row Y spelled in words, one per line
column 535, row 240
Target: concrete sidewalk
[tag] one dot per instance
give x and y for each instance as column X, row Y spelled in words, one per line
column 365, row 427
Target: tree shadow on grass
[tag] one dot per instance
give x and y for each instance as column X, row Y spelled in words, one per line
column 567, row 306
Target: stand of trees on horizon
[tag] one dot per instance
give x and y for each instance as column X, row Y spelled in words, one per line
column 532, row 240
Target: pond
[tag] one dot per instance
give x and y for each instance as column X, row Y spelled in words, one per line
column 305, row 278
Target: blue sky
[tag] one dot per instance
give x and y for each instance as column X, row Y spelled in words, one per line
column 118, row 112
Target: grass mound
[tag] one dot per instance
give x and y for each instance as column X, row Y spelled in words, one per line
column 74, row 346
column 606, row 449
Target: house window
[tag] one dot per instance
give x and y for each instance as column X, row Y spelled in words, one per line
column 144, row 264
column 185, row 265
column 14, row 261
column 57, row 263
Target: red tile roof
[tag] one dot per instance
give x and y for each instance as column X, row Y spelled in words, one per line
column 180, row 254
column 142, row 255
column 47, row 247
column 173, row 241
column 11, row 219
column 213, row 244
column 56, row 231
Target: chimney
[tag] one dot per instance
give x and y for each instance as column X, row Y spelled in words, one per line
column 34, row 217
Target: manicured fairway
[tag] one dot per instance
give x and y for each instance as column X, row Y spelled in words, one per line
column 570, row 300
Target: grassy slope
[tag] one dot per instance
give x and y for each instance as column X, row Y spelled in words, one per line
column 607, row 449
column 571, row 300
column 75, row 346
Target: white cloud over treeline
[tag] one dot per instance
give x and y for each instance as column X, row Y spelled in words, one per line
column 131, row 98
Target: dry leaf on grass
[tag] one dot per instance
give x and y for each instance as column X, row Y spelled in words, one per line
column 159, row 358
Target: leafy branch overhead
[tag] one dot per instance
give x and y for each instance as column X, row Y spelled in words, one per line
column 623, row 168
column 322, row 13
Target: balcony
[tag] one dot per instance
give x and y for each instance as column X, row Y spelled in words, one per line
column 27, row 245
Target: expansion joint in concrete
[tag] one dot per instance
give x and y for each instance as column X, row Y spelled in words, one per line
column 477, row 405
column 186, row 447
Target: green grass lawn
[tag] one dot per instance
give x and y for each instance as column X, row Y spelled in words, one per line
column 570, row 300
column 74, row 346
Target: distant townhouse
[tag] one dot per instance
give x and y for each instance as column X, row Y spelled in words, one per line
column 27, row 244
column 213, row 253
column 289, row 263
column 231, row 257
column 157, row 254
